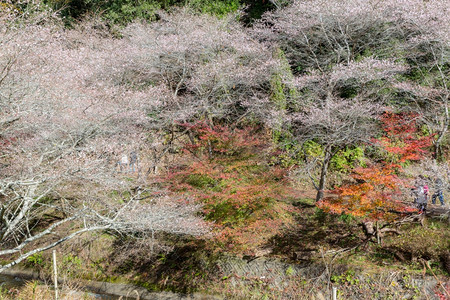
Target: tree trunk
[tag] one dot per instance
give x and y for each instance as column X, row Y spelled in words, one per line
column 438, row 155
column 323, row 174
column 438, row 151
column 368, row 228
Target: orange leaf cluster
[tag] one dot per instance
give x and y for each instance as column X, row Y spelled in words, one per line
column 375, row 193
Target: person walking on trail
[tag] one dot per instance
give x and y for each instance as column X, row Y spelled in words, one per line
column 415, row 191
column 133, row 161
column 420, row 193
column 439, row 186
column 123, row 162
column 421, row 199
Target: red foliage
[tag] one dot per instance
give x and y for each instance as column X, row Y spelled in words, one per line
column 402, row 138
column 220, row 139
column 376, row 191
column 228, row 173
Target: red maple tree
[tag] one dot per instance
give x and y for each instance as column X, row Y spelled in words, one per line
column 227, row 170
column 375, row 192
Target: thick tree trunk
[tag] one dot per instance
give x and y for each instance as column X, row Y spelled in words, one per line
column 323, row 174
column 368, row 228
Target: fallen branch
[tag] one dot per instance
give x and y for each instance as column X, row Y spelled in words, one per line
column 384, row 230
column 427, row 264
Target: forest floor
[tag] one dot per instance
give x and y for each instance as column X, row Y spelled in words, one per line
column 304, row 261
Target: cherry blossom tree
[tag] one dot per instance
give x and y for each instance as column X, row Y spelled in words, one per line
column 211, row 69
column 318, row 35
column 62, row 130
column 334, row 121
column 426, row 89
column 347, row 54
column 432, row 104
column 199, row 68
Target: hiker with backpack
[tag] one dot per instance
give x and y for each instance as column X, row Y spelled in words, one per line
column 133, row 161
column 420, row 192
column 421, row 199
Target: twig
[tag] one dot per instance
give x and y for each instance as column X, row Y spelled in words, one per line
column 427, row 264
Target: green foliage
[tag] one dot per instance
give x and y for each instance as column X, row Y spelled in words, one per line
column 347, row 278
column 347, row 159
column 126, row 11
column 348, row 219
column 428, row 243
column 282, row 95
column 70, row 9
column 116, row 11
column 215, row 7
column 277, row 85
column 277, row 88
column 255, row 9
column 425, row 130
column 36, row 260
column 287, row 158
column 226, row 213
column 70, row 260
column 426, row 75
column 290, row 151
column 72, row 264
column 4, row 6
column 350, row 89
column 320, row 215
column 200, row 181
column 312, row 149
column 392, row 49
column 290, row 271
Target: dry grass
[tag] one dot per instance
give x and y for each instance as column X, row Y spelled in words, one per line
column 34, row 290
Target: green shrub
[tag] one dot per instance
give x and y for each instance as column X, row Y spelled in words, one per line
column 422, row 242
column 348, row 159
column 126, row 11
column 35, row 260
column 200, row 181
column 313, row 149
column 215, row 7
column 71, row 264
column 347, row 219
column 70, row 260
column 347, row 278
